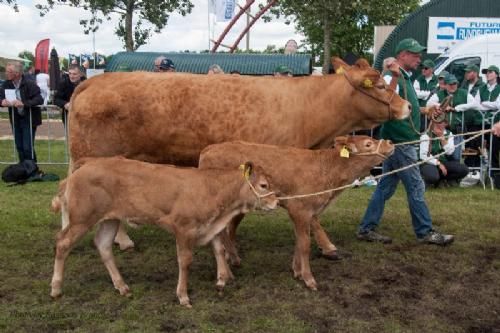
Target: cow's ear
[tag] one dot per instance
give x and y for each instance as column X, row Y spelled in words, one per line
column 339, row 65
column 341, row 140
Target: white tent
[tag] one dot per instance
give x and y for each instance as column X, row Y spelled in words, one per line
column 4, row 59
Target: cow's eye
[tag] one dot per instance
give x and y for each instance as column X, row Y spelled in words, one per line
column 264, row 186
column 368, row 144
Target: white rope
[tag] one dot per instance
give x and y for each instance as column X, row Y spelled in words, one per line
column 476, row 134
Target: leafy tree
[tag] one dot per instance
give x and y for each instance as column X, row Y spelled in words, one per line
column 12, row 3
column 341, row 26
column 156, row 12
column 27, row 55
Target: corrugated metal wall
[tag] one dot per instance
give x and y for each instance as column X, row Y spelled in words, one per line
column 249, row 64
column 416, row 24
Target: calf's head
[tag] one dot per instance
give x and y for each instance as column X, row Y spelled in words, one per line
column 258, row 183
column 370, row 93
column 362, row 145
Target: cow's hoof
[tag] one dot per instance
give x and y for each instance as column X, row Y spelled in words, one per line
column 220, row 285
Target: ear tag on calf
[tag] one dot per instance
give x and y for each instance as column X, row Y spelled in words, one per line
column 246, row 173
column 367, row 83
column 340, row 70
column 344, row 152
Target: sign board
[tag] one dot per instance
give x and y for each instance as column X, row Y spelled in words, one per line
column 445, row 32
column 93, row 72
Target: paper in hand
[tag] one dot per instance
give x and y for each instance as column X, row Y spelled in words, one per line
column 10, row 95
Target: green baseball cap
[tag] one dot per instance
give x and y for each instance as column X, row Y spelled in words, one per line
column 492, row 68
column 282, row 69
column 472, row 68
column 450, row 79
column 411, row 45
column 429, row 63
column 443, row 75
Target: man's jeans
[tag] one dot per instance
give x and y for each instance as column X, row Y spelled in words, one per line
column 414, row 185
column 24, row 136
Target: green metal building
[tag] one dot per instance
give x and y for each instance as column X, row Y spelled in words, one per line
column 198, row 63
column 416, row 25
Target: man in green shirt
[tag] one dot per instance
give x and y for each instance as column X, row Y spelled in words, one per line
column 408, row 57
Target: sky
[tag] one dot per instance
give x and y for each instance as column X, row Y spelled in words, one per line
column 22, row 31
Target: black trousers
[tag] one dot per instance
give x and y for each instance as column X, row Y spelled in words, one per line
column 432, row 175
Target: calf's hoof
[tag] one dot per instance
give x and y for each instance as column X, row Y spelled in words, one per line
column 311, row 284
column 56, row 293
column 124, row 291
column 184, row 301
column 331, row 255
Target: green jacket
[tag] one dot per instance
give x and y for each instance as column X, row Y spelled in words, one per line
column 424, row 85
column 459, row 97
column 436, row 147
column 407, row 129
column 475, row 88
column 486, row 96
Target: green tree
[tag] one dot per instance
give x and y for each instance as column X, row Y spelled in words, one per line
column 150, row 16
column 12, row 3
column 341, row 26
column 27, row 55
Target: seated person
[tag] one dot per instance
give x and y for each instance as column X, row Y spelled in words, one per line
column 437, row 169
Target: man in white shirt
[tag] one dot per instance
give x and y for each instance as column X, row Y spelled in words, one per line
column 444, row 167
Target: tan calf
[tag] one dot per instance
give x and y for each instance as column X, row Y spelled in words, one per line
column 194, row 205
column 300, row 171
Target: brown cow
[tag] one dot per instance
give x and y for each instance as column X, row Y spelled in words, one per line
column 170, row 119
column 194, row 205
column 300, row 171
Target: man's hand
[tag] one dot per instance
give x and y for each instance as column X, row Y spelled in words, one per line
column 6, row 103
column 67, row 106
column 496, row 129
column 17, row 103
column 394, row 68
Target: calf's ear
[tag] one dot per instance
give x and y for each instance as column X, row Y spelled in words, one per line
column 341, row 140
column 362, row 64
column 339, row 65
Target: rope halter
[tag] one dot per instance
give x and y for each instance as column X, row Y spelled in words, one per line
column 378, row 99
column 259, row 196
column 376, row 152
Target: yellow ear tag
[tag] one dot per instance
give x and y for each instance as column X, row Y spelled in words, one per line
column 340, row 70
column 368, row 83
column 344, row 152
column 246, row 173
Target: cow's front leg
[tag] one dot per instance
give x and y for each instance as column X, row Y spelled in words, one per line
column 301, row 265
column 328, row 250
column 229, row 240
column 122, row 238
column 224, row 273
column 184, row 259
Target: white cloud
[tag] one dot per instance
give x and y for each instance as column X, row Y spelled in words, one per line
column 22, row 31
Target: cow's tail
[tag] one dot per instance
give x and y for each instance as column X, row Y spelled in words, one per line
column 57, row 200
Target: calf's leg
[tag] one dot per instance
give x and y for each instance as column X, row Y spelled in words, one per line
column 328, row 250
column 229, row 240
column 122, row 239
column 103, row 240
column 301, row 265
column 184, row 259
column 66, row 238
column 224, row 273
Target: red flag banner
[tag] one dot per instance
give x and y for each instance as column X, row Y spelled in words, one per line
column 42, row 55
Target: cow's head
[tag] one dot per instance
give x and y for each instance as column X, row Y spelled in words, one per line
column 362, row 145
column 370, row 93
column 259, row 184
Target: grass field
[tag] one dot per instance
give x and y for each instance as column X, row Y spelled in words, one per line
column 402, row 287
